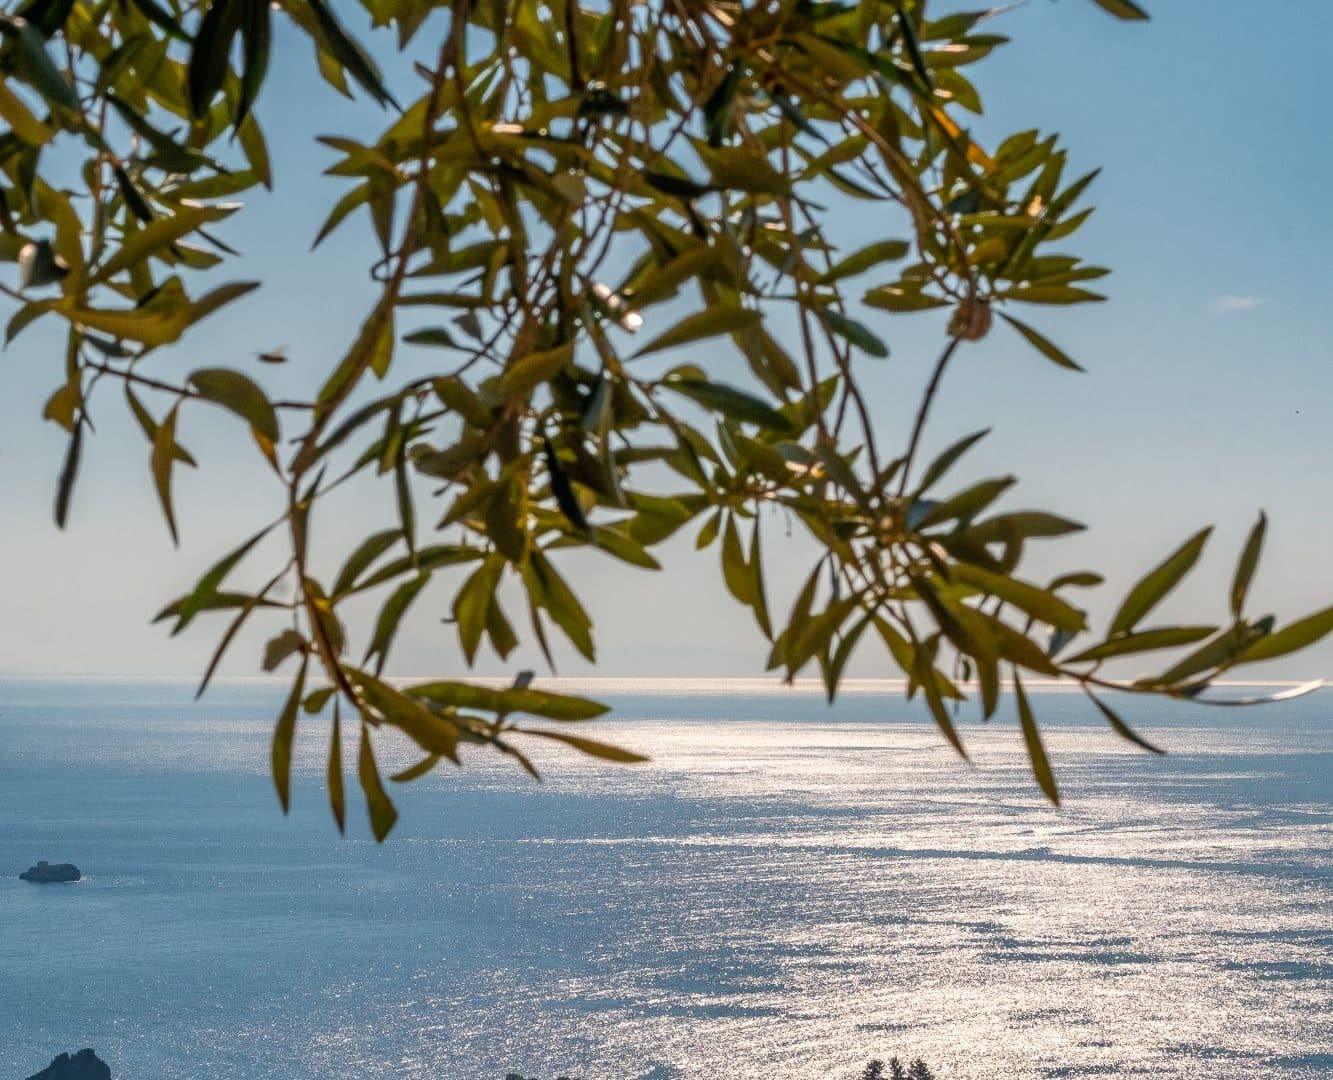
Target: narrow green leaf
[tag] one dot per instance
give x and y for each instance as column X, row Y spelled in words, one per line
column 1289, row 639
column 717, row 109
column 1041, row 765
column 334, row 773
column 31, row 62
column 211, row 52
column 591, row 747
column 317, row 699
column 349, row 53
column 1158, row 582
column 712, row 321
column 1049, row 294
column 420, row 769
column 1121, row 728
column 1249, row 560
column 731, row 402
column 869, row 256
column 560, row 601
column 543, row 703
column 1042, row 344
column 283, row 733
column 1128, row 644
column 162, row 459
column 256, row 38
column 898, row 299
column 531, row 371
column 158, row 235
column 436, row 336
column 1213, row 656
column 1123, row 9
column 391, row 614
column 945, row 461
column 734, row 570
column 1029, row 599
column 436, row 734
column 1021, row 525
column 240, row 395
column 68, row 472
column 562, row 489
column 857, row 333
column 378, row 804
column 472, row 603
column 962, row 506
column 247, row 607
column 758, row 594
column 370, row 549
column 282, row 646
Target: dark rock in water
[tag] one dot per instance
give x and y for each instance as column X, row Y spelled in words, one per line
column 85, row 1065
column 44, row 872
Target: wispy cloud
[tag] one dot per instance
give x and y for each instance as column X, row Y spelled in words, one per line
column 1238, row 303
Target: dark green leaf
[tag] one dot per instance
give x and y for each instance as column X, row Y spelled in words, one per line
column 68, row 472
column 349, row 53
column 211, row 51
column 435, row 335
column 562, row 489
column 1121, row 728
column 731, row 402
column 945, row 461
column 858, row 334
column 334, row 772
column 1123, row 9
column 1040, row 343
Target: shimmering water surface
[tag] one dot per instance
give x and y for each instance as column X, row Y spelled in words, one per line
column 786, row 891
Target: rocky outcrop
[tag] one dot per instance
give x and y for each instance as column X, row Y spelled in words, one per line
column 44, row 872
column 85, row 1065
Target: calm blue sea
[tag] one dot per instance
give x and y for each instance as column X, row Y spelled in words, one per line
column 786, row 891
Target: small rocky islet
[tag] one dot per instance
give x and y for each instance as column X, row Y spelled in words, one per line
column 47, row 873
column 85, row 1065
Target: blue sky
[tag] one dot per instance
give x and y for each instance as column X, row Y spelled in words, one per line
column 1207, row 394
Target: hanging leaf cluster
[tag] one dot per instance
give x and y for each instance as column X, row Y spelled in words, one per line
column 608, row 233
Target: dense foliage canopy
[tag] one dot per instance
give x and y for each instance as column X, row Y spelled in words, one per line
column 586, row 211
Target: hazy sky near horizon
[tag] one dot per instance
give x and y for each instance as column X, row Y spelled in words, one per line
column 1209, row 391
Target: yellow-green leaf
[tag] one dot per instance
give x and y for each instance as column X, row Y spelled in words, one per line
column 723, row 319
column 239, row 394
column 378, row 804
column 1158, row 582
column 591, row 747
column 283, row 733
column 1041, row 765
